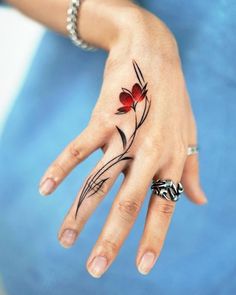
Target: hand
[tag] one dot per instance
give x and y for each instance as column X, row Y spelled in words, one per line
column 144, row 123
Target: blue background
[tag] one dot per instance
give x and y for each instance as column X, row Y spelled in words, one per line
column 54, row 105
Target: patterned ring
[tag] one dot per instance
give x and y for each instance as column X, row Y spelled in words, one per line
column 167, row 189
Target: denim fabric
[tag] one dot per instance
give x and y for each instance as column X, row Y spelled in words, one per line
column 54, row 106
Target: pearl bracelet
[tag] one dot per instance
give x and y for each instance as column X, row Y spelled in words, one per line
column 72, row 19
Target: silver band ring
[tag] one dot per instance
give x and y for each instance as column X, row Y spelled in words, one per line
column 192, row 149
column 167, row 189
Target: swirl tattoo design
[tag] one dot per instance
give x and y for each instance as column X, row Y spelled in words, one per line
column 129, row 99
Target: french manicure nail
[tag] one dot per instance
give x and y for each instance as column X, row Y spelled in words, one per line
column 47, row 186
column 146, row 263
column 98, row 266
column 68, row 238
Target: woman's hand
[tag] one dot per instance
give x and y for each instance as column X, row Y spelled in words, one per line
column 144, row 123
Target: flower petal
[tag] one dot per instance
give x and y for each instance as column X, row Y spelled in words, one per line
column 126, row 99
column 137, row 92
column 123, row 110
column 143, row 95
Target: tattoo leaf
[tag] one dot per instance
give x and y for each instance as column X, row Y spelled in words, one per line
column 123, row 137
column 127, row 158
column 138, row 73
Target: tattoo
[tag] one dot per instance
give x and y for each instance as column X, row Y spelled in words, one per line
column 129, row 99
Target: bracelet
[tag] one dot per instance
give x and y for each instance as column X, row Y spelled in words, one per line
column 72, row 20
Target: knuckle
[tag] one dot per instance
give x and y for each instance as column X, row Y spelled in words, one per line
column 103, row 119
column 179, row 153
column 129, row 209
column 107, row 122
column 109, row 246
column 75, row 152
column 166, row 208
column 181, row 148
column 150, row 147
column 156, row 153
column 57, row 168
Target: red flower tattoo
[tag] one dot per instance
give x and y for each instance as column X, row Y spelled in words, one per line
column 129, row 99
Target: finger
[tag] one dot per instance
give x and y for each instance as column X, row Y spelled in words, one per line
column 79, row 149
column 123, row 213
column 191, row 181
column 158, row 219
column 90, row 195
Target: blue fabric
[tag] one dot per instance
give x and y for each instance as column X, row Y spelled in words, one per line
column 54, row 106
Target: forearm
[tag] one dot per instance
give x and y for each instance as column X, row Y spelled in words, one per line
column 99, row 20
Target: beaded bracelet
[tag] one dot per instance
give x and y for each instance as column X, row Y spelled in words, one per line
column 72, row 20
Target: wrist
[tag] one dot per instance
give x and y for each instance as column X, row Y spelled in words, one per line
column 100, row 21
column 140, row 33
column 108, row 22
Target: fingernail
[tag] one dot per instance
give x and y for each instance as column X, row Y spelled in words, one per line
column 68, row 238
column 203, row 198
column 98, row 266
column 146, row 263
column 47, row 186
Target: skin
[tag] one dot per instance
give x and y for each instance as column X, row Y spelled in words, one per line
column 160, row 146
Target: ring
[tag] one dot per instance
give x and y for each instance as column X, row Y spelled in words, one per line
column 192, row 149
column 167, row 189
